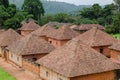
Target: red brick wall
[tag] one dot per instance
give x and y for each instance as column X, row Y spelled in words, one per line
column 31, row 66
column 37, row 56
column 57, row 43
column 106, row 50
column 101, row 76
column 114, row 54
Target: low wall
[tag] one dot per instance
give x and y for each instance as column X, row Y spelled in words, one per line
column 31, row 66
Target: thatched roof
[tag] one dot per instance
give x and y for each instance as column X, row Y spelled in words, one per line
column 89, row 26
column 115, row 46
column 8, row 37
column 30, row 44
column 44, row 31
column 64, row 33
column 1, row 31
column 96, row 37
column 54, row 24
column 76, row 59
column 30, row 26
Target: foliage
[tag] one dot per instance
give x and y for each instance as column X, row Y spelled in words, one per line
column 34, row 7
column 5, row 76
column 14, row 22
column 104, row 16
column 5, row 3
column 116, row 36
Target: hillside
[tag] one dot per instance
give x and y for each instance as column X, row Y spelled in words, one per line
column 53, row 7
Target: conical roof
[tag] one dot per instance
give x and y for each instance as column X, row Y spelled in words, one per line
column 76, row 59
column 8, row 37
column 30, row 26
column 64, row 33
column 96, row 37
column 89, row 26
column 31, row 44
column 44, row 31
column 115, row 46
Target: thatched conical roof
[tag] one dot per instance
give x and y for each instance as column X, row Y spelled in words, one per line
column 115, row 46
column 44, row 31
column 76, row 59
column 64, row 33
column 30, row 44
column 96, row 37
column 8, row 37
column 89, row 26
column 30, row 26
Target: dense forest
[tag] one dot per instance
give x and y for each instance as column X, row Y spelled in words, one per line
column 12, row 17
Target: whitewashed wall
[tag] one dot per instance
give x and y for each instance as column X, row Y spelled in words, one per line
column 15, row 58
column 51, row 74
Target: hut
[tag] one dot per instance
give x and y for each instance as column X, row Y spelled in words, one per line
column 61, row 36
column 115, row 52
column 7, row 38
column 57, row 24
column 85, row 27
column 30, row 47
column 99, row 40
column 27, row 28
column 43, row 31
column 76, row 61
column 1, row 31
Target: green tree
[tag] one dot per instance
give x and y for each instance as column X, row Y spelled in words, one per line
column 3, row 15
column 15, row 22
column 117, row 3
column 47, row 18
column 4, row 3
column 61, row 17
column 93, row 12
column 34, row 7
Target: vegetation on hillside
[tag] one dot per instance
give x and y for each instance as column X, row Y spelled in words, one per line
column 53, row 7
column 108, row 16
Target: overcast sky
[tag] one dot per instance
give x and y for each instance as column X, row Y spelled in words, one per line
column 86, row 2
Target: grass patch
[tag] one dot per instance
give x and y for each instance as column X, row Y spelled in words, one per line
column 5, row 75
column 116, row 36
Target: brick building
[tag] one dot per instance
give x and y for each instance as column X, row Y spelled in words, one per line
column 30, row 47
column 27, row 28
column 43, row 31
column 76, row 61
column 7, row 38
column 99, row 40
column 85, row 27
column 61, row 36
column 115, row 52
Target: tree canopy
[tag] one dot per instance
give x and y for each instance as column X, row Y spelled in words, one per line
column 4, row 3
column 34, row 7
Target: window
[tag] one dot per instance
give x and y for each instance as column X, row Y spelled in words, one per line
column 50, row 41
column 101, row 49
column 17, row 58
column 47, row 73
column 34, row 59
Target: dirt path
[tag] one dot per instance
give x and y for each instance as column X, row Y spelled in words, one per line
column 17, row 72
